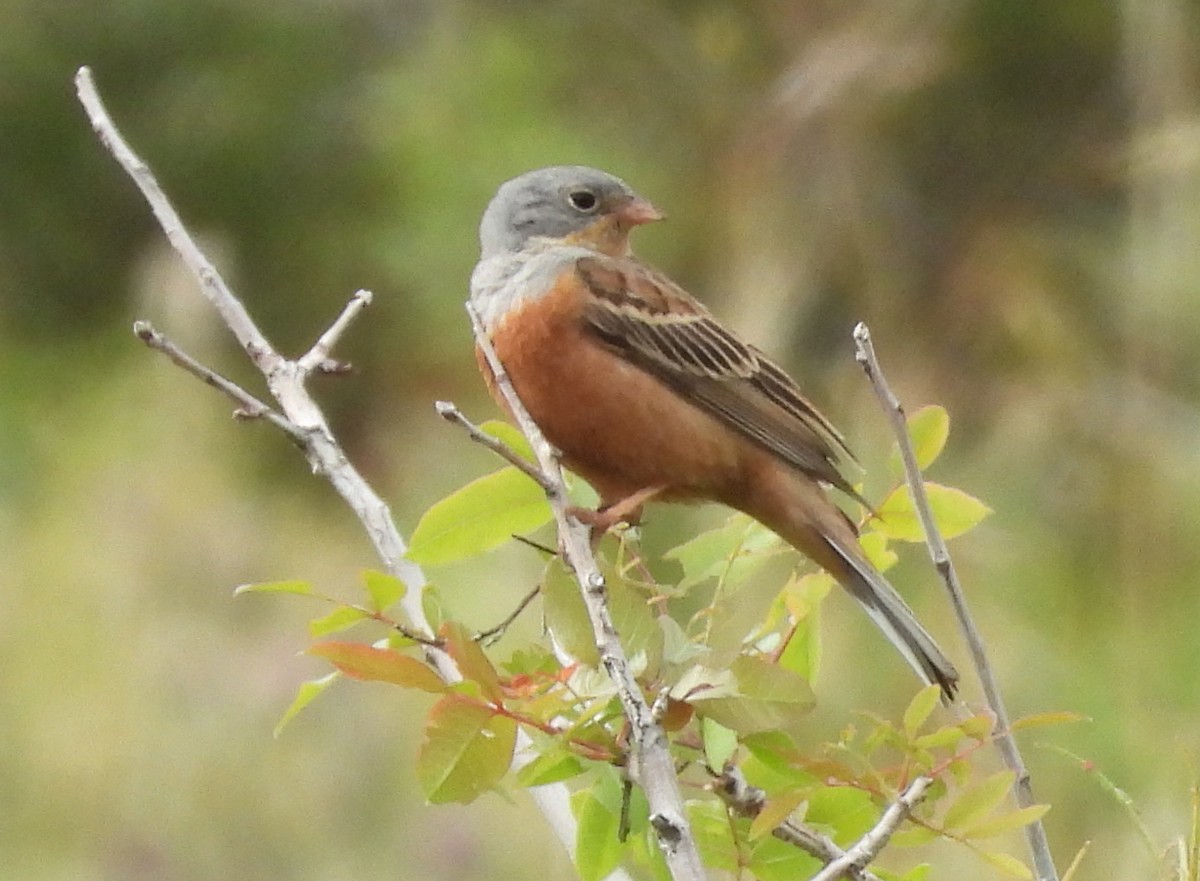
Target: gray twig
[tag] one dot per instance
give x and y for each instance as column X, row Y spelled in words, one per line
column 651, row 760
column 249, row 407
column 451, row 413
column 286, row 381
column 748, row 801
column 1006, row 743
column 318, row 357
column 870, row 845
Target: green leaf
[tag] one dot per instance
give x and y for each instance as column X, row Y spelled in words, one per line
column 552, row 766
column 916, row 873
column 633, row 619
column 739, row 612
column 875, row 545
column 566, row 616
column 928, row 429
column 711, row 828
column 849, row 812
column 914, row 836
column 775, row 860
column 510, row 436
column 482, row 515
column 802, row 654
column 943, row 738
column 1037, row 720
column 920, row 708
column 473, row 663
column 597, row 847
column 720, row 743
column 998, row 825
column 305, row 695
column 300, row 588
column 978, row 727
column 977, row 801
column 778, row 808
column 1006, row 864
column 466, row 751
column 919, row 872
column 752, row 695
column 731, row 552
column 384, row 590
column 373, row 664
column 954, row 511
column 341, row 618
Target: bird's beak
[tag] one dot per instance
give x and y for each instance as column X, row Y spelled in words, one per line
column 636, row 211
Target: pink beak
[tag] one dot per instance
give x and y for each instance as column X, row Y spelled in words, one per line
column 637, row 211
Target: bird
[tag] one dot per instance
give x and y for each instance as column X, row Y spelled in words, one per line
column 648, row 396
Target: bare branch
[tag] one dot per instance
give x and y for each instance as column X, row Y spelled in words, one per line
column 249, row 407
column 232, row 312
column 286, row 380
column 871, row 844
column 493, row 633
column 451, row 413
column 317, row 358
column 1006, row 743
column 652, row 763
column 748, row 800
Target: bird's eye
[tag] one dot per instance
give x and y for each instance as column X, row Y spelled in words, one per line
column 583, row 200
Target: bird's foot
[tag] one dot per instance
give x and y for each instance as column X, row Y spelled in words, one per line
column 627, row 510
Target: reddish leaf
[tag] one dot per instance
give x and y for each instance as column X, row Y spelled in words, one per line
column 372, row 664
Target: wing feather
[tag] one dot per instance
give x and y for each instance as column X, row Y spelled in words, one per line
column 652, row 322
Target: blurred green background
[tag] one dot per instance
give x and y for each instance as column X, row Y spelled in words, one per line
column 1008, row 192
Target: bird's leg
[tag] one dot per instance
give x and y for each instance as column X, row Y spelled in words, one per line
column 626, row 510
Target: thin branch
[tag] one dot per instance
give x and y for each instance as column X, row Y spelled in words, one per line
column 652, row 763
column 451, row 413
column 286, row 380
column 870, row 845
column 1035, row 832
column 485, row 636
column 249, row 407
column 748, row 801
column 232, row 312
column 318, row 357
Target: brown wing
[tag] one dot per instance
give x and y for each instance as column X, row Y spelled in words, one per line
column 652, row 322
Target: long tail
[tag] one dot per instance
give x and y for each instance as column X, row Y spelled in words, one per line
column 893, row 616
column 797, row 508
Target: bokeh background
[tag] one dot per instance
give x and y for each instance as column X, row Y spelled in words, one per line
column 1007, row 191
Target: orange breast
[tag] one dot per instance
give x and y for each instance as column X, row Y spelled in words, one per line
column 617, row 426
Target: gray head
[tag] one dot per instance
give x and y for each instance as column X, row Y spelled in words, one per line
column 559, row 201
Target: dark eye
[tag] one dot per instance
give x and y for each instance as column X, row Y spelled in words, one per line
column 583, row 200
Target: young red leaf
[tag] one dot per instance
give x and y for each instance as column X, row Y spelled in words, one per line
column 471, row 660
column 366, row 662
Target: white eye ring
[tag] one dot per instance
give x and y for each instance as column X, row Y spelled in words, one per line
column 583, row 200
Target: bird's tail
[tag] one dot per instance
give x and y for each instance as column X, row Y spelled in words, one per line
column 893, row 616
column 797, row 508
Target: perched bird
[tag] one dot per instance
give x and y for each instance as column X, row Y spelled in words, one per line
column 647, row 395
